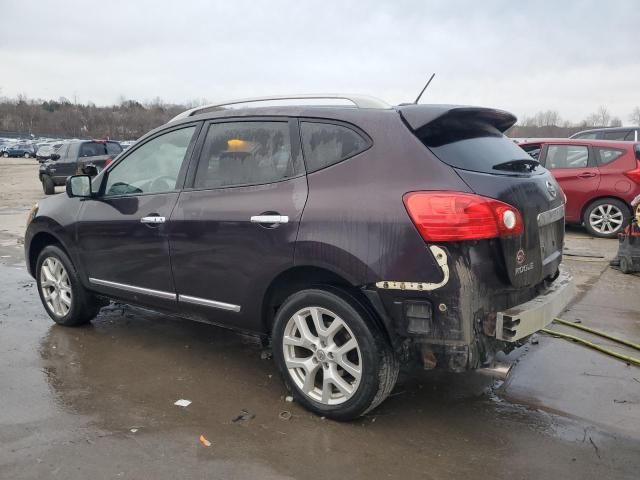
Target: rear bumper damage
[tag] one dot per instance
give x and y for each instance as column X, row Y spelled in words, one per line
column 527, row 318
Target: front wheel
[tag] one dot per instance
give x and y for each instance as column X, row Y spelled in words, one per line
column 61, row 292
column 606, row 218
column 26, row 155
column 331, row 355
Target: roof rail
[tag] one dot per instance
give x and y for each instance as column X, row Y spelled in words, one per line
column 359, row 101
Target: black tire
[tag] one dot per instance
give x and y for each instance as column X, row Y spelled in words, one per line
column 379, row 364
column 596, row 208
column 48, row 185
column 83, row 305
column 625, row 265
column 27, row 155
column 5, row 155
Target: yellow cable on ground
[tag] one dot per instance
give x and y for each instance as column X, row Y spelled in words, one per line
column 625, row 358
column 598, row 332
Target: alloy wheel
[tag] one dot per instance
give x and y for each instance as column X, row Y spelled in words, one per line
column 322, row 355
column 55, row 286
column 606, row 219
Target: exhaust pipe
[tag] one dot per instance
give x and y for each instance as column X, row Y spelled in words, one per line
column 498, row 370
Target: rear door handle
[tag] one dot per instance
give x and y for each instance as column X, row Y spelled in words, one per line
column 587, row 175
column 153, row 219
column 270, row 219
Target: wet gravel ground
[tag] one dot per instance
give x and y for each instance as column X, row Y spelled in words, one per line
column 97, row 402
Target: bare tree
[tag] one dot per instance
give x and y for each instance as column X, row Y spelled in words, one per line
column 603, row 115
column 634, row 118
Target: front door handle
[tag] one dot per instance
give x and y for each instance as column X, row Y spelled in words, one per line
column 153, row 219
column 270, row 219
column 587, row 175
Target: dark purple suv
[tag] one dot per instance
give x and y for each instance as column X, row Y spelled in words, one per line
column 355, row 237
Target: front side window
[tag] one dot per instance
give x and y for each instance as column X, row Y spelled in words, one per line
column 245, row 153
column 631, row 136
column 151, row 168
column 608, row 155
column 567, row 156
column 325, row 144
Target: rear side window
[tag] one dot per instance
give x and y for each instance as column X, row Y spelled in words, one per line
column 326, row 144
column 608, row 155
column 475, row 146
column 532, row 150
column 95, row 149
column 246, row 153
column 617, row 135
column 567, row 156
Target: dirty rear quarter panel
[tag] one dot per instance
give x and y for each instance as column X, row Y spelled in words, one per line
column 355, row 223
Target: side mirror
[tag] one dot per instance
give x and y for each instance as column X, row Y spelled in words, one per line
column 90, row 170
column 79, row 186
column 54, row 156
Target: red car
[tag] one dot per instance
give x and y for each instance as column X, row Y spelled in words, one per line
column 599, row 178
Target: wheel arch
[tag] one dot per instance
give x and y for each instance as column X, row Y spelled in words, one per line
column 586, row 206
column 39, row 242
column 302, row 277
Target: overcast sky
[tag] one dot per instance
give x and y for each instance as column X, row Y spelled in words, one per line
column 520, row 56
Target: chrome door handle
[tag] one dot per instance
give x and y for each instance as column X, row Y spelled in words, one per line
column 152, row 219
column 270, row 219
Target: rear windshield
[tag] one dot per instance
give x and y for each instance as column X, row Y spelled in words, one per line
column 475, row 146
column 95, row 149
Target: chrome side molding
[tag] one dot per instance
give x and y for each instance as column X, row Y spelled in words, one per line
column 208, row 303
column 167, row 295
column 133, row 288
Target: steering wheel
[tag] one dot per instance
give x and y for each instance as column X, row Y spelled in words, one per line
column 164, row 183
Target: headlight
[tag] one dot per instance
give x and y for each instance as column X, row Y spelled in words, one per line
column 32, row 213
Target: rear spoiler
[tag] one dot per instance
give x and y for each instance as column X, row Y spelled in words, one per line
column 417, row 116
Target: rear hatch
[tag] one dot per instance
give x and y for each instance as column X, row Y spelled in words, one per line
column 471, row 140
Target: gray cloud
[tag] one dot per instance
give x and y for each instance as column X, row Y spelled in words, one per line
column 524, row 58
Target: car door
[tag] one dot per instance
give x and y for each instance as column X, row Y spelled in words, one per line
column 122, row 233
column 574, row 168
column 234, row 229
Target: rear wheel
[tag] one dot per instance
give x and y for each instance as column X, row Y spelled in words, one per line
column 332, row 357
column 26, row 155
column 48, row 185
column 606, row 218
column 61, row 292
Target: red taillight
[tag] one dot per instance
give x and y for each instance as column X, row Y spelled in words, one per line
column 634, row 174
column 107, row 162
column 457, row 216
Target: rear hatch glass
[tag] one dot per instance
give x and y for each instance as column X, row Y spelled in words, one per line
column 475, row 146
column 493, row 166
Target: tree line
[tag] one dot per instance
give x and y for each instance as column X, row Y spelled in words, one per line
column 127, row 120
column 548, row 123
column 130, row 119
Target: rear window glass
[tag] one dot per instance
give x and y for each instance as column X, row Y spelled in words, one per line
column 616, row 135
column 475, row 146
column 326, row 144
column 95, row 149
column 608, row 155
column 567, row 156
